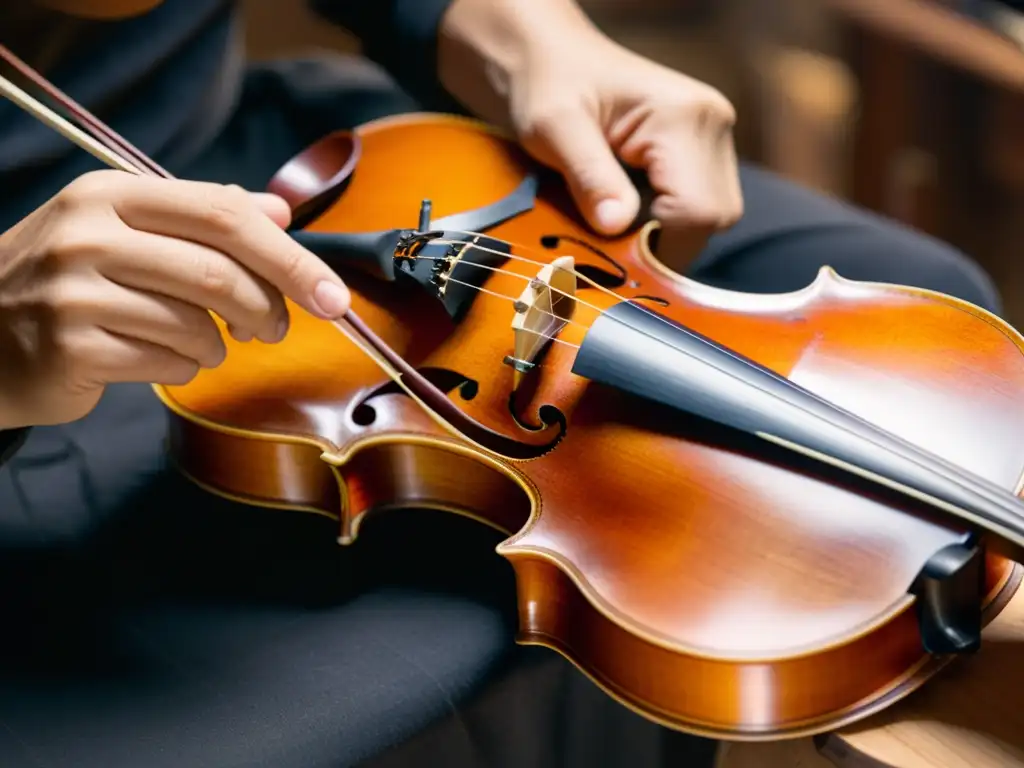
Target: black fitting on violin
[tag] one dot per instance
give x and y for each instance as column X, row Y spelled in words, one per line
column 446, row 264
column 949, row 593
column 382, row 253
column 453, row 266
column 372, row 252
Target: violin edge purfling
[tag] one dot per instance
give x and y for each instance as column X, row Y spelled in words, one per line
column 949, row 595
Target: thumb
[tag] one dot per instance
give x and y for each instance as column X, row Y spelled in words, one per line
column 577, row 148
column 275, row 207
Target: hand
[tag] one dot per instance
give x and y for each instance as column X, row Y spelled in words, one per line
column 581, row 103
column 114, row 279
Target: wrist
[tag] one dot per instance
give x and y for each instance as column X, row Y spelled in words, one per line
column 485, row 45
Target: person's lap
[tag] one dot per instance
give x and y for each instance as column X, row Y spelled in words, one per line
column 153, row 625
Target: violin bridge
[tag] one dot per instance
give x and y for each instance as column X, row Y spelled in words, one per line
column 542, row 310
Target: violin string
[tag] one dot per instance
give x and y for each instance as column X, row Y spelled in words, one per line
column 656, row 339
column 574, row 272
column 514, row 299
column 534, row 262
column 550, row 287
column 678, row 328
column 528, row 330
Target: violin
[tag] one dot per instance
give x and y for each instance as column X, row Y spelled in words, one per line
column 745, row 516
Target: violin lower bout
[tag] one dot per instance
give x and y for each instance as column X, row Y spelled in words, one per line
column 728, row 699
column 714, row 697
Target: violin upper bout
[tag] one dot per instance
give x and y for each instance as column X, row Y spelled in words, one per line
column 314, row 178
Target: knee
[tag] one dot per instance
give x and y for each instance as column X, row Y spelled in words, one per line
column 943, row 268
column 878, row 250
column 789, row 233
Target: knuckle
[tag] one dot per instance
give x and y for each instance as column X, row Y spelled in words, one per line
column 295, row 265
column 227, row 209
column 590, row 181
column 88, row 188
column 705, row 106
column 214, row 277
column 70, row 243
column 67, row 299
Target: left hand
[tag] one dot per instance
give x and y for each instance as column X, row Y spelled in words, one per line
column 580, row 103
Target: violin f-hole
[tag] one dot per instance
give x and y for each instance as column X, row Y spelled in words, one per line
column 604, row 278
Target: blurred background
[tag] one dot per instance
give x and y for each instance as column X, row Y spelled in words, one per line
column 911, row 108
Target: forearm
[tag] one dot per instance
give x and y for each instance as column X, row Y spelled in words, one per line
column 483, row 44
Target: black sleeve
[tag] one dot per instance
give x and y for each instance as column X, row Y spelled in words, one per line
column 10, row 442
column 401, row 36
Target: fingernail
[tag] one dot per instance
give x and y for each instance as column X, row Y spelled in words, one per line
column 331, row 299
column 610, row 215
column 282, row 329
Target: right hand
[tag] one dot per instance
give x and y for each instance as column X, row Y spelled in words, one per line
column 114, row 278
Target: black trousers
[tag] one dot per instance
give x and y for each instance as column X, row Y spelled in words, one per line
column 148, row 624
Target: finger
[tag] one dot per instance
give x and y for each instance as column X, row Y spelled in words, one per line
column 182, row 328
column 103, row 357
column 275, row 207
column 574, row 145
column 200, row 276
column 239, row 335
column 696, row 182
column 227, row 219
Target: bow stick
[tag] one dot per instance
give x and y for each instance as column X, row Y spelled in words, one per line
column 110, row 150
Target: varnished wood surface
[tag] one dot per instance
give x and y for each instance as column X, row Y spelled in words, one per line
column 705, row 588
column 970, row 716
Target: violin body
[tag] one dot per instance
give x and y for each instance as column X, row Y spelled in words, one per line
column 705, row 587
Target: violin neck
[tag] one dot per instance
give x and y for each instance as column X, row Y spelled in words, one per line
column 635, row 350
